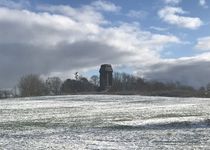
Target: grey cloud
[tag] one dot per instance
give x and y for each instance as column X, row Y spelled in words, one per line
column 193, row 73
column 17, row 60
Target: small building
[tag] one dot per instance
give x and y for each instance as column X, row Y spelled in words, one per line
column 105, row 76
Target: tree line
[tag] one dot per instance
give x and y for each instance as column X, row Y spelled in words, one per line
column 123, row 83
column 34, row 85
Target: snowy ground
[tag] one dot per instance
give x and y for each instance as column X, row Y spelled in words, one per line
column 104, row 122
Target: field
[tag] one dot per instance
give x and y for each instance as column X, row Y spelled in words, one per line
column 104, row 122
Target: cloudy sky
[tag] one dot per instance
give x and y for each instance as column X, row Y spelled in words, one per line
column 166, row 40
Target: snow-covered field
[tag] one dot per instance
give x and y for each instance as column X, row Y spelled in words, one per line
column 104, row 122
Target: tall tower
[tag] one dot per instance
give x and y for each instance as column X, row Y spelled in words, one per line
column 105, row 76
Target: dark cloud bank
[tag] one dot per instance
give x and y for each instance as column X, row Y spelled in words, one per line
column 190, row 73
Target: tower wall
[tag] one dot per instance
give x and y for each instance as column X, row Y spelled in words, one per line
column 105, row 76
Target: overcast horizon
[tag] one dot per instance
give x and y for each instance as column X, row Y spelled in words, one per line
column 164, row 40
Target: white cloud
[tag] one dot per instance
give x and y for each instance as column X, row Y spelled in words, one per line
column 158, row 28
column 63, row 39
column 203, row 44
column 203, row 3
column 85, row 14
column 137, row 14
column 172, row 1
column 18, row 4
column 174, row 16
column 105, row 6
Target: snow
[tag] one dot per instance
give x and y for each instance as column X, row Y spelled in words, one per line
column 104, row 122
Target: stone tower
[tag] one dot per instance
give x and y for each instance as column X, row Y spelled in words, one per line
column 105, row 76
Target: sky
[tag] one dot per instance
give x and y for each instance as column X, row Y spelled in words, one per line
column 164, row 40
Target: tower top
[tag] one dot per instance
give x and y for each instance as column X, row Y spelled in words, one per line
column 106, row 68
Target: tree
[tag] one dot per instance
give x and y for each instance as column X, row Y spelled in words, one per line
column 202, row 92
column 31, row 85
column 54, row 85
column 208, row 87
column 95, row 80
column 74, row 86
column 6, row 93
column 66, row 87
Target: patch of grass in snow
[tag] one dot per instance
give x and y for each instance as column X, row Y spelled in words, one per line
column 11, row 125
column 207, row 121
column 173, row 115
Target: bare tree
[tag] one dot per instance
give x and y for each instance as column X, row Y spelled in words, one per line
column 31, row 85
column 95, row 80
column 6, row 93
column 54, row 85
